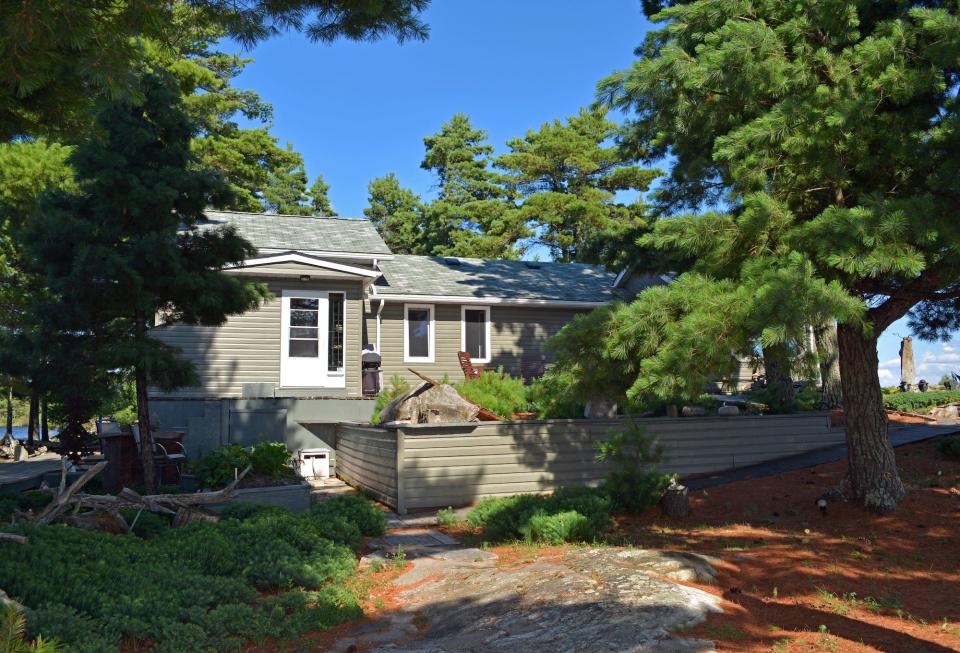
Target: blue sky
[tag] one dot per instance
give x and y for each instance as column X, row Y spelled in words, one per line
column 359, row 110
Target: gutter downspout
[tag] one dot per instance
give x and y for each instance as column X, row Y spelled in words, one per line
column 379, row 310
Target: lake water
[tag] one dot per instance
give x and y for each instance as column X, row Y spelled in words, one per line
column 19, row 432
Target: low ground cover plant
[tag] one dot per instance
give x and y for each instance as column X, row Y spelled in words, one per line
column 581, row 514
column 220, row 466
column 920, row 402
column 196, row 588
column 10, row 502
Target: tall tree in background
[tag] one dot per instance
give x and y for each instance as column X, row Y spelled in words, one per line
column 473, row 214
column 59, row 57
column 124, row 249
column 568, row 174
column 286, row 188
column 838, row 122
column 398, row 216
column 319, row 200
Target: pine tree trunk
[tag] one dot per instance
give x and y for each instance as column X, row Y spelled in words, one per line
column 33, row 417
column 44, row 425
column 872, row 467
column 9, row 432
column 143, row 415
column 776, row 367
column 825, row 336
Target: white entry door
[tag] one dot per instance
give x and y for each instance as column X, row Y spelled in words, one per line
column 307, row 342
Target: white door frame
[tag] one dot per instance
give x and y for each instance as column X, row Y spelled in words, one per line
column 296, row 372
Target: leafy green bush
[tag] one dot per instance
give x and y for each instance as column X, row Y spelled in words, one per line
column 554, row 396
column 220, row 466
column 948, row 446
column 398, row 386
column 920, row 401
column 634, row 482
column 447, row 517
column 270, row 459
column 805, row 399
column 497, row 391
column 567, row 526
column 195, row 588
column 525, row 516
column 357, row 510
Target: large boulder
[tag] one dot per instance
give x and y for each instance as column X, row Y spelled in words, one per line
column 430, row 404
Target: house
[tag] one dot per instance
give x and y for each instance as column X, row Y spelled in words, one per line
column 292, row 368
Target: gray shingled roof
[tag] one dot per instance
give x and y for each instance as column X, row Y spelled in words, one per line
column 473, row 277
column 303, row 233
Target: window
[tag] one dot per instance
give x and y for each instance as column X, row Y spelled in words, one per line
column 418, row 333
column 475, row 332
column 335, row 333
column 304, row 327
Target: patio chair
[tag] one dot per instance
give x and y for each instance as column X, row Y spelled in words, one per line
column 164, row 456
column 466, row 364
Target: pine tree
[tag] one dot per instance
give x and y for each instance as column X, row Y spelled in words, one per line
column 473, row 214
column 286, row 189
column 398, row 215
column 828, row 134
column 319, row 200
column 59, row 57
column 124, row 249
column 568, row 174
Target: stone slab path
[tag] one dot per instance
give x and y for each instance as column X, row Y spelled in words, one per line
column 456, row 599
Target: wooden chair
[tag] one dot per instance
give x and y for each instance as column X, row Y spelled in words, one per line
column 469, row 371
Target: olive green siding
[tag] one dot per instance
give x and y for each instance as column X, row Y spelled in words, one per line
column 439, row 465
column 515, row 331
column 246, row 349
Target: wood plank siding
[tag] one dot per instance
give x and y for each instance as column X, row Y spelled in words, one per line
column 246, row 348
column 451, row 465
column 514, row 331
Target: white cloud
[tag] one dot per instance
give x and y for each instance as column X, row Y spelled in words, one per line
column 887, row 377
column 948, row 347
column 893, row 362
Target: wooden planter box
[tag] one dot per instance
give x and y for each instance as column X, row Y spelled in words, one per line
column 295, row 498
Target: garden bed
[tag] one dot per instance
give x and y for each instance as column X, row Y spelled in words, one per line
column 294, row 496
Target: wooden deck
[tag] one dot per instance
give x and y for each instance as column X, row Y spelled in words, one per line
column 27, row 474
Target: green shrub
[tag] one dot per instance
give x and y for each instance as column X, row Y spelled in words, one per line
column 447, row 517
column 356, row 510
column 920, row 401
column 554, row 396
column 948, row 446
column 567, row 526
column 634, row 483
column 526, row 516
column 497, row 391
column 220, row 466
column 147, row 524
column 270, row 459
column 194, row 588
column 13, row 632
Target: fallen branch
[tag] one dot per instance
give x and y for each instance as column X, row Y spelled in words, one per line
column 13, row 537
column 62, row 501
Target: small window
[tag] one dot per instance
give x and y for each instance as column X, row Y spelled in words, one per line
column 304, row 327
column 475, row 333
column 335, row 333
column 418, row 333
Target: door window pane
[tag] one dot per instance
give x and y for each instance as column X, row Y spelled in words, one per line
column 475, row 333
column 304, row 327
column 304, row 349
column 418, row 332
column 304, row 318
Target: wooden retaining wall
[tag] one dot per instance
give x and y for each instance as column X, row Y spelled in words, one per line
column 432, row 466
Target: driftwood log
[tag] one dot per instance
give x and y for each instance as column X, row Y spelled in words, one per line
column 13, row 537
column 433, row 402
column 103, row 510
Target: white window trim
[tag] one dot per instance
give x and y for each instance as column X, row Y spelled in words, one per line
column 430, row 338
column 463, row 332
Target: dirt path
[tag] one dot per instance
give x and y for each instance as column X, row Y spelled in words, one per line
column 456, row 599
